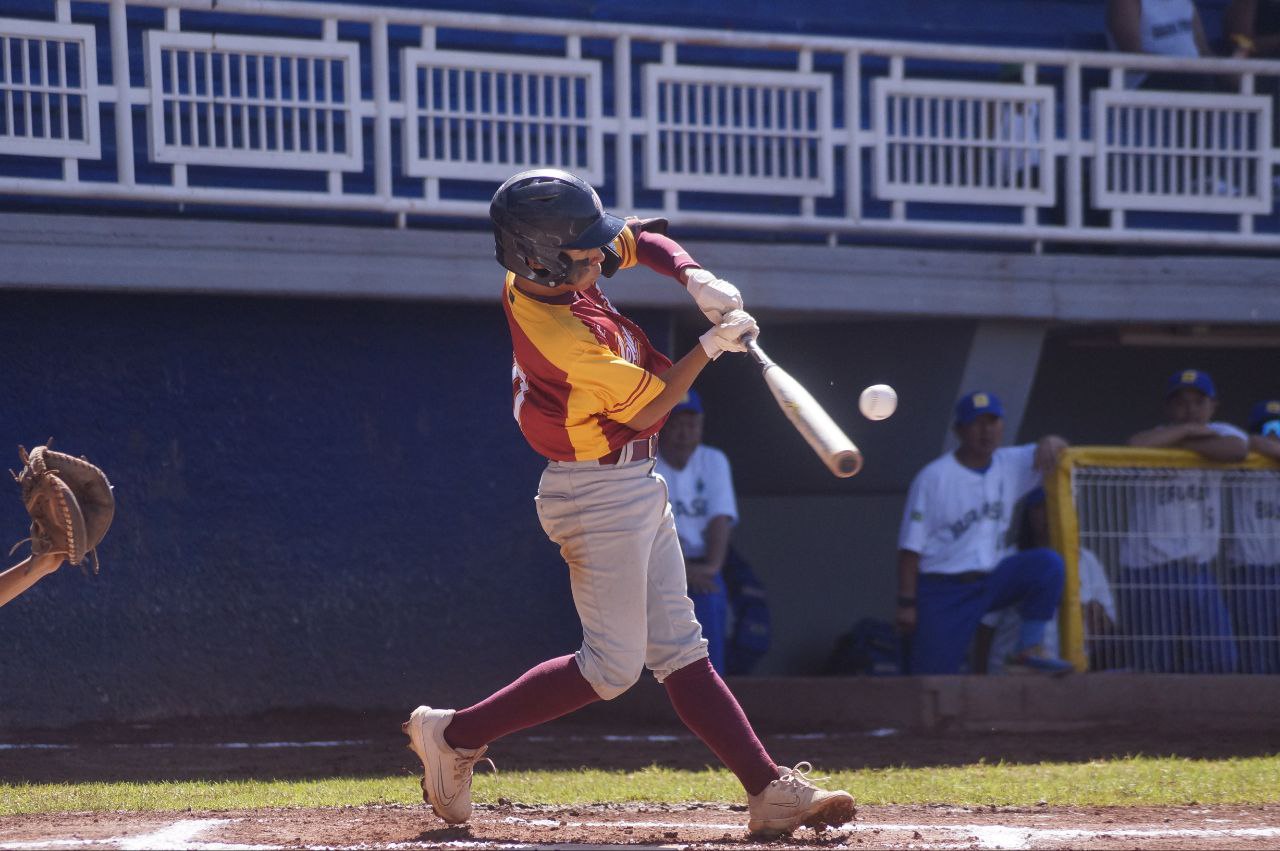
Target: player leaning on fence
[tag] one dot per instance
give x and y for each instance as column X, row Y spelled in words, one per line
column 1252, row 550
column 956, row 549
column 1169, row 601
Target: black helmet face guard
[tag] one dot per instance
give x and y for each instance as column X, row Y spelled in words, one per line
column 538, row 215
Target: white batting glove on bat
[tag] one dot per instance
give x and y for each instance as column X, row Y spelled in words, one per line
column 730, row 335
column 714, row 297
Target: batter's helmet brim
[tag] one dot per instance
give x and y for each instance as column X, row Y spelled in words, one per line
column 602, row 232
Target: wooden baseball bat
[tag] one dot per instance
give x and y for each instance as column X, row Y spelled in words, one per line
column 831, row 444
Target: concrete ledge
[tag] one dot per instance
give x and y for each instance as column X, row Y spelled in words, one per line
column 78, row 252
column 811, row 704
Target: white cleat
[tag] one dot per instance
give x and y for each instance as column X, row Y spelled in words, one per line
column 446, row 778
column 794, row 801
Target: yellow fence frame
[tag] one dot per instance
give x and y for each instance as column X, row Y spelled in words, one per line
column 1064, row 523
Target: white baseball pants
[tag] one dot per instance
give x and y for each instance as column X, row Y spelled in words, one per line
column 617, row 534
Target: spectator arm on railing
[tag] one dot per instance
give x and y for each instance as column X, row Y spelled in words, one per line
column 1124, row 22
column 1218, row 448
column 1266, row 445
column 1168, row 436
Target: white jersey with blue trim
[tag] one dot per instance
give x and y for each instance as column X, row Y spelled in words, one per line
column 1176, row 515
column 699, row 491
column 960, row 519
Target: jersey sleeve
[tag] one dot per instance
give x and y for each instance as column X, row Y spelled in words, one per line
column 621, row 388
column 915, row 530
column 720, row 497
column 1022, row 463
column 1228, row 430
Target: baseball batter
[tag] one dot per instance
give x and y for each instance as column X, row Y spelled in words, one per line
column 590, row 394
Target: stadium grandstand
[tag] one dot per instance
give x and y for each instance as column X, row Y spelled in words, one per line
column 259, row 228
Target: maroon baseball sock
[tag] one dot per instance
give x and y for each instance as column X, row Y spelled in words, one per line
column 547, row 691
column 707, row 707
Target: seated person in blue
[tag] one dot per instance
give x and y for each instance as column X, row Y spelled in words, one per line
column 700, row 489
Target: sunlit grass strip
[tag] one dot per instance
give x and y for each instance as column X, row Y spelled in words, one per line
column 1127, row 782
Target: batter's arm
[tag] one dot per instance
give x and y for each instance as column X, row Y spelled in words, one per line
column 679, row 377
column 26, row 573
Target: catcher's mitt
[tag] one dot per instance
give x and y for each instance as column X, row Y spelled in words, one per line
column 70, row 503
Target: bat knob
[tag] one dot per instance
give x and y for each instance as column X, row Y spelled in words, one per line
column 850, row 463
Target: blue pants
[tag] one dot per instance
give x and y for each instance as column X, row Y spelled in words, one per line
column 1175, row 620
column 1254, row 599
column 712, row 611
column 949, row 609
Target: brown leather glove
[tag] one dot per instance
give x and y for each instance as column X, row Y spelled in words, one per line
column 70, row 503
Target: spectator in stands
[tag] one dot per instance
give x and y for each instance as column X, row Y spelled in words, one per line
column 1253, row 26
column 999, row 630
column 1253, row 552
column 1170, row 604
column 1162, row 28
column 956, row 558
column 26, row 573
column 700, row 489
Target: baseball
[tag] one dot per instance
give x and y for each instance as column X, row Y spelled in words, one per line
column 878, row 402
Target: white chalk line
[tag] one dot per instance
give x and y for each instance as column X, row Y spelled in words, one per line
column 181, row 836
column 335, row 743
column 345, row 743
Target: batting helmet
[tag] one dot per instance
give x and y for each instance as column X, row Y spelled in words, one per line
column 538, row 214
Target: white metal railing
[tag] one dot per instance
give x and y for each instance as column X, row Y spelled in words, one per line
column 835, row 136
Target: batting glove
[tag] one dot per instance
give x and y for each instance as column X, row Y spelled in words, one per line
column 714, row 297
column 730, row 335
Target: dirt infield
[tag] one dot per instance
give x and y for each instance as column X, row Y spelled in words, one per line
column 324, row 744
column 693, row 827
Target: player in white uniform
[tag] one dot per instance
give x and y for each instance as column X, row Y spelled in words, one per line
column 1170, row 604
column 956, row 556
column 700, row 489
column 1253, row 551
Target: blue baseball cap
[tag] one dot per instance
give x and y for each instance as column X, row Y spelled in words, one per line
column 691, row 402
column 975, row 405
column 1263, row 413
column 1194, row 378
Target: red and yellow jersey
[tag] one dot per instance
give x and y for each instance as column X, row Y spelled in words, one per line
column 581, row 371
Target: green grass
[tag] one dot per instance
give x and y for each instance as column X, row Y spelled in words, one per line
column 1127, row 782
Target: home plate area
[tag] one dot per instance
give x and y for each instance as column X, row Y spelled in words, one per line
column 689, row 826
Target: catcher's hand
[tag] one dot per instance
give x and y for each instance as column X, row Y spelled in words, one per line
column 70, row 503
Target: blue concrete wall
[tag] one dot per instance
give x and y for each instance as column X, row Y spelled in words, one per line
column 320, row 502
